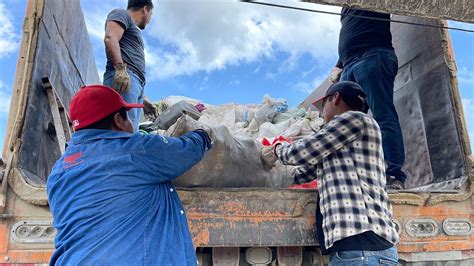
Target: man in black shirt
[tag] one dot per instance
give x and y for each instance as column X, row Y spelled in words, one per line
column 366, row 56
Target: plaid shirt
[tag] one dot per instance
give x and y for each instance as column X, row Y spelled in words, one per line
column 347, row 158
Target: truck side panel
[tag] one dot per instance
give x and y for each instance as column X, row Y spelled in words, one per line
column 55, row 45
column 427, row 104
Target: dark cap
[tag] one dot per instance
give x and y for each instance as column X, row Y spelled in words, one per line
column 139, row 3
column 349, row 90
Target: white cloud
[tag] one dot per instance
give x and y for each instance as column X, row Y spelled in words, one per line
column 95, row 17
column 211, row 35
column 5, row 95
column 95, row 22
column 308, row 87
column 95, row 26
column 465, row 76
column 9, row 39
column 468, row 105
column 185, row 37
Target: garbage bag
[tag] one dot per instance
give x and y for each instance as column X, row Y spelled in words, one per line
column 267, row 111
column 175, row 111
column 296, row 113
column 233, row 161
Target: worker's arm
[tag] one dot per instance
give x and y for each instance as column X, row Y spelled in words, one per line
column 113, row 33
column 304, row 174
column 170, row 157
column 150, row 108
column 114, row 30
column 333, row 136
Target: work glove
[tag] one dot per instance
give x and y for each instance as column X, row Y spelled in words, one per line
column 268, row 151
column 209, row 130
column 335, row 75
column 268, row 156
column 275, row 141
column 121, row 79
column 150, row 109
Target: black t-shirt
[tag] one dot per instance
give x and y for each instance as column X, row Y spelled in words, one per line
column 368, row 241
column 357, row 34
column 131, row 43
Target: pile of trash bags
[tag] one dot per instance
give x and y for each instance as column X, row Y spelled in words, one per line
column 238, row 131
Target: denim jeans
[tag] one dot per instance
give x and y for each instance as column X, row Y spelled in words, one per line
column 134, row 95
column 375, row 72
column 366, row 258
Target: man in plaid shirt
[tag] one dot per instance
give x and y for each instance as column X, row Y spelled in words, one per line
column 353, row 216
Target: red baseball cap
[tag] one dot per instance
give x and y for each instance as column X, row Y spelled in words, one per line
column 95, row 102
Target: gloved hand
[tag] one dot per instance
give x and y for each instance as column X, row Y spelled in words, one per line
column 335, row 75
column 274, row 141
column 280, row 140
column 150, row 109
column 209, row 130
column 121, row 78
column 268, row 156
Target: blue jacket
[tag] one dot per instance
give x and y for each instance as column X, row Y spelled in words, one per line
column 113, row 202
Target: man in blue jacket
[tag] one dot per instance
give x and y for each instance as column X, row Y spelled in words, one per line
column 111, row 194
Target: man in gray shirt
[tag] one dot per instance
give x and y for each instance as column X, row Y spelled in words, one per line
column 125, row 69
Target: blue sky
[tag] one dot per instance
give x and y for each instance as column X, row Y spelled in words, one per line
column 222, row 51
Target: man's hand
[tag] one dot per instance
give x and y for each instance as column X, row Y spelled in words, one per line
column 268, row 156
column 335, row 75
column 150, row 109
column 121, row 78
column 209, row 130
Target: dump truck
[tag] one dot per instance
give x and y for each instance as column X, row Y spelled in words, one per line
column 259, row 225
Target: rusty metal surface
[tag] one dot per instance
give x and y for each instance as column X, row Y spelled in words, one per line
column 441, row 241
column 284, row 217
column 15, row 252
column 254, row 217
column 251, row 217
column 460, row 10
column 62, row 52
column 426, row 99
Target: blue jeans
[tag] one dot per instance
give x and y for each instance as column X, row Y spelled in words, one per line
column 366, row 258
column 375, row 72
column 134, row 95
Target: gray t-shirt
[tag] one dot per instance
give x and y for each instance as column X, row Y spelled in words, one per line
column 131, row 44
